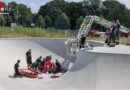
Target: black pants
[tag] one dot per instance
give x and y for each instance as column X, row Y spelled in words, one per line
column 17, row 73
column 107, row 41
column 29, row 61
column 82, row 44
column 112, row 39
column 58, row 70
column 117, row 37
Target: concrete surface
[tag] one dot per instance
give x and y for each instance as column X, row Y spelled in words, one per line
column 98, row 69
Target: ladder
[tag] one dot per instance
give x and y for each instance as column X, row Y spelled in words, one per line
column 85, row 26
column 73, row 44
column 88, row 21
column 107, row 24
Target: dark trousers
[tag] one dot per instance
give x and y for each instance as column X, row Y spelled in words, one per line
column 107, row 41
column 117, row 37
column 112, row 39
column 29, row 62
column 17, row 74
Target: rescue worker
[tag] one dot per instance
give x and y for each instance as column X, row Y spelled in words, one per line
column 113, row 34
column 28, row 58
column 36, row 65
column 117, row 31
column 58, row 66
column 107, row 37
column 82, row 41
column 16, row 68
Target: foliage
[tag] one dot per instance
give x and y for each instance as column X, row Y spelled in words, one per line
column 40, row 22
column 62, row 22
column 78, row 22
column 22, row 15
column 2, row 20
column 48, row 21
column 20, row 31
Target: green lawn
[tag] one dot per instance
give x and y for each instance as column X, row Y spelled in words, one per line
column 24, row 32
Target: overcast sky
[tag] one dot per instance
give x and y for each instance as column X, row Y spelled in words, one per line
column 35, row 4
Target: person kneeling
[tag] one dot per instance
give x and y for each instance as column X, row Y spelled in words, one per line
column 16, row 68
column 58, row 66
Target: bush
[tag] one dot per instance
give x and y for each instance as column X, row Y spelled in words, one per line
column 19, row 31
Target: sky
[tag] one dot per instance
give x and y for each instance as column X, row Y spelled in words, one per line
column 35, row 4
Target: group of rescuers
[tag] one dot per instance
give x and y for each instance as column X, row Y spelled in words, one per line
column 45, row 64
column 111, row 36
column 41, row 64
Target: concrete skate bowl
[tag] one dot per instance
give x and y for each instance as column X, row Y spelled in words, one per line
column 95, row 71
column 91, row 71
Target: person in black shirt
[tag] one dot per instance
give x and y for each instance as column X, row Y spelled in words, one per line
column 16, row 68
column 58, row 66
column 112, row 34
column 117, row 31
column 38, row 61
column 82, row 41
column 36, row 65
column 28, row 58
column 43, row 62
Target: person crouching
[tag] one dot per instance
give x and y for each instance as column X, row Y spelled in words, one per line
column 16, row 68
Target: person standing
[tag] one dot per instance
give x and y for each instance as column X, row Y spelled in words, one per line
column 82, row 41
column 28, row 58
column 16, row 68
column 113, row 34
column 117, row 31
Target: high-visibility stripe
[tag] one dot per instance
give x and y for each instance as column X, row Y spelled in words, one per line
column 81, row 26
column 88, row 25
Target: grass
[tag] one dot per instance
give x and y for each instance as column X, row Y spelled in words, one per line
column 129, row 38
column 24, row 32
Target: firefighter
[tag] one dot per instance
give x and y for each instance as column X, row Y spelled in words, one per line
column 113, row 34
column 117, row 31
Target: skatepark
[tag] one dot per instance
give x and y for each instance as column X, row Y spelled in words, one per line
column 103, row 68
column 64, row 30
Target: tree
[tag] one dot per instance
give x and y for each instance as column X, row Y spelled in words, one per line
column 13, row 5
column 109, row 5
column 8, row 20
column 40, row 22
column 2, row 20
column 62, row 22
column 128, row 18
column 48, row 21
column 20, row 13
column 79, row 22
column 51, row 9
column 17, row 16
column 26, row 15
column 119, row 12
column 94, row 6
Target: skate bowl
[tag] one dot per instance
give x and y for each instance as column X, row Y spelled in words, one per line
column 102, row 68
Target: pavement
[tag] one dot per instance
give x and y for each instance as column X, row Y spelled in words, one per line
column 102, row 68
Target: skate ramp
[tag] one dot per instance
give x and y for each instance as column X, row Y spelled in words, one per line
column 58, row 46
column 91, row 70
column 96, row 71
column 96, row 43
column 99, row 71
